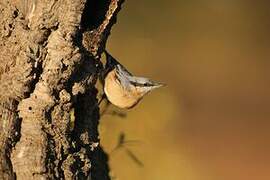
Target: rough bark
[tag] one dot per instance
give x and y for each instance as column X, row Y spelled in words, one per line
column 49, row 63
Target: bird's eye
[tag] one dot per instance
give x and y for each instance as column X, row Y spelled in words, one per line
column 146, row 84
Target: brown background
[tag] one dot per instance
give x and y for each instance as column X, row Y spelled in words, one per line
column 212, row 120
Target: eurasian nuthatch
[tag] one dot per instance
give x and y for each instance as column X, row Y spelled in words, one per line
column 122, row 88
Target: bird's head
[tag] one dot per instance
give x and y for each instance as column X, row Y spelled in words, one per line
column 144, row 85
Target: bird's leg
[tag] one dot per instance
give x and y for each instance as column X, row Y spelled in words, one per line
column 102, row 98
column 105, row 109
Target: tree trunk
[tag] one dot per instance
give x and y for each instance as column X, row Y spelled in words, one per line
column 49, row 64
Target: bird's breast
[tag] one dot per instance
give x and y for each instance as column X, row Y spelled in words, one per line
column 117, row 95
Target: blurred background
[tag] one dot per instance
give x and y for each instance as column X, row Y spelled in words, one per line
column 212, row 120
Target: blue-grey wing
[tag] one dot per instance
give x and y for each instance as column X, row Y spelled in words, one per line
column 124, row 76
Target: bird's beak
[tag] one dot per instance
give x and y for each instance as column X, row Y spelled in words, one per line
column 157, row 85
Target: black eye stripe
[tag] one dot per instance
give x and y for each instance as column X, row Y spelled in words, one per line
column 140, row 84
column 148, row 84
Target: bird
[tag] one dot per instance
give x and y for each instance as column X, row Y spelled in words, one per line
column 123, row 89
